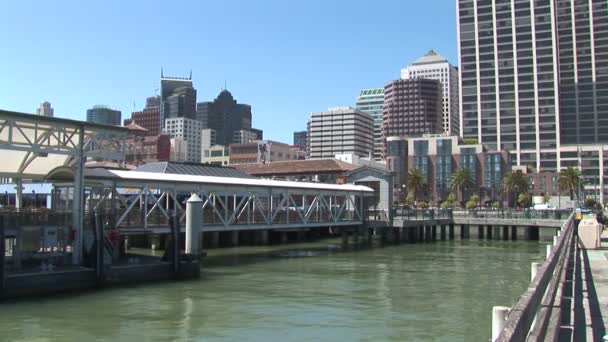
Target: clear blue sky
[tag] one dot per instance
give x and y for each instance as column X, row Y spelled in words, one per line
column 285, row 58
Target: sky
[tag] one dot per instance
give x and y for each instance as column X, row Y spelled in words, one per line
column 285, row 58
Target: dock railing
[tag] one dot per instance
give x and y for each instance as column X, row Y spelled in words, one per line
column 544, row 311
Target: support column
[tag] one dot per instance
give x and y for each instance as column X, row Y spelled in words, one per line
column 421, row 234
column 194, row 222
column 489, row 232
column 505, row 232
column 262, row 237
column 496, row 234
column 344, row 238
column 234, row 238
column 465, row 231
column 451, row 231
column 18, row 193
column 480, row 230
column 427, row 233
column 434, row 233
column 513, row 233
column 284, row 237
column 443, row 233
column 396, row 235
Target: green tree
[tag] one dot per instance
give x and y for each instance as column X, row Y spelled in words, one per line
column 515, row 182
column 422, row 205
column 546, row 198
column 569, row 180
column 522, row 199
column 462, row 180
column 415, row 181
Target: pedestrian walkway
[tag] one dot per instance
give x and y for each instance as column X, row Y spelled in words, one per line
column 595, row 289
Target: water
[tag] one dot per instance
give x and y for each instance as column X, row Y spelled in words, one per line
column 442, row 291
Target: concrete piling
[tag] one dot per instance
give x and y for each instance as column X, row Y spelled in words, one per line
column 499, row 317
column 443, row 232
column 194, row 222
column 451, row 232
column 533, row 271
column 480, row 232
column 513, row 233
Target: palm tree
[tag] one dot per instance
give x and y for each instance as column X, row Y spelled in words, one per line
column 462, row 180
column 569, row 180
column 415, row 181
column 515, row 182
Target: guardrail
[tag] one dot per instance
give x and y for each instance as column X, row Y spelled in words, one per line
column 528, row 214
column 422, row 214
column 537, row 316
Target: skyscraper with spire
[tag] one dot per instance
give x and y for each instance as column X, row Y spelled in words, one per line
column 177, row 97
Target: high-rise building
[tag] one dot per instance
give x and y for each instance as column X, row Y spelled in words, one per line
column 45, row 109
column 340, row 130
column 261, row 151
column 299, row 138
column 534, row 77
column 433, row 66
column 226, row 117
column 188, row 130
column 104, row 115
column 153, row 101
column 534, row 80
column 177, row 98
column 149, row 118
column 411, row 108
column 371, row 101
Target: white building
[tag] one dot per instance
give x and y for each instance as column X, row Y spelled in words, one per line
column 188, row 130
column 340, row 130
column 244, row 136
column 435, row 67
column 179, row 150
column 45, row 109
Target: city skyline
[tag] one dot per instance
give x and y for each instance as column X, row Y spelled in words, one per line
column 83, row 67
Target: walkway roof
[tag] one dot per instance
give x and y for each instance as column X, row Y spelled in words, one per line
column 36, row 147
column 167, row 178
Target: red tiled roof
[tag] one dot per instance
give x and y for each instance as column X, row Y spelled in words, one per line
column 135, row 127
column 296, row 167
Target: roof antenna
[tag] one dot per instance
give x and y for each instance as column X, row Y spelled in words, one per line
column 190, row 74
column 225, row 87
column 161, row 72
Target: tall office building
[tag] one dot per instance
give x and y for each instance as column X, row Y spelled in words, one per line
column 148, row 118
column 299, row 138
column 190, row 131
column 153, row 101
column 534, row 77
column 411, row 108
column 177, row 98
column 340, row 130
column 227, row 117
column 371, row 101
column 104, row 115
column 45, row 109
column 433, row 66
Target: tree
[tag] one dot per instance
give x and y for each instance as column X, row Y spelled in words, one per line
column 462, row 180
column 415, row 181
column 546, row 198
column 569, row 180
column 515, row 182
column 522, row 199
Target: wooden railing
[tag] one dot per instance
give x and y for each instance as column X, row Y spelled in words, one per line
column 537, row 316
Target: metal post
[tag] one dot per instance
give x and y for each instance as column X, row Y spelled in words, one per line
column 97, row 221
column 78, row 204
column 194, row 219
column 499, row 316
column 175, row 241
column 533, row 271
column 2, row 255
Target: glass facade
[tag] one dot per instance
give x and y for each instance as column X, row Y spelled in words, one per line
column 468, row 161
column 371, row 102
column 493, row 171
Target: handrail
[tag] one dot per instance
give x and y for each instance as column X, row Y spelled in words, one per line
column 537, row 314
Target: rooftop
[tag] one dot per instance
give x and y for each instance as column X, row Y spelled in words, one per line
column 296, row 167
column 194, row 169
column 430, row 58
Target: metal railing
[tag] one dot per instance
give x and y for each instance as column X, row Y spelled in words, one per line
column 527, row 214
column 422, row 214
column 537, row 316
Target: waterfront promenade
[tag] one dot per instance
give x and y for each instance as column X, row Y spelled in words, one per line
column 595, row 290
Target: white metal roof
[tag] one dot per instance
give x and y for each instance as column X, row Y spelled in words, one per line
column 134, row 176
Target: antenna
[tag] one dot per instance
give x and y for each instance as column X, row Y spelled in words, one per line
column 161, row 72
column 191, row 74
column 225, row 87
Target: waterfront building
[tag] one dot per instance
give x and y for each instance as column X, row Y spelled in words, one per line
column 45, row 109
column 299, row 138
column 433, row 66
column 371, row 102
column 261, row 151
column 104, row 115
column 148, row 118
column 228, row 118
column 438, row 156
column 177, row 98
column 411, row 108
column 188, row 130
column 340, row 130
column 216, row 155
column 534, row 80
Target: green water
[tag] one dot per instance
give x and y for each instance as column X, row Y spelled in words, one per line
column 442, row 291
